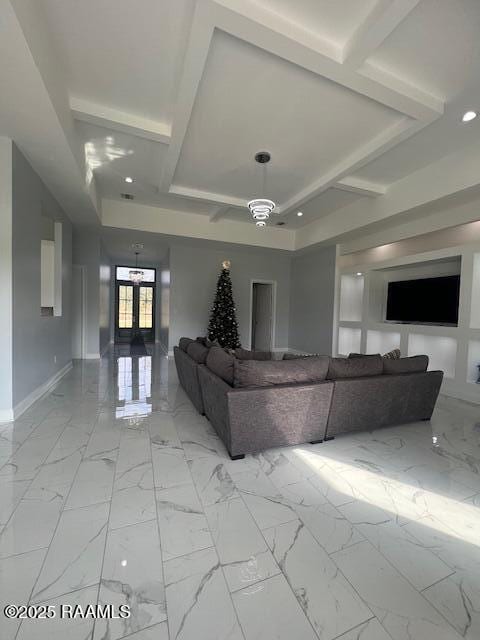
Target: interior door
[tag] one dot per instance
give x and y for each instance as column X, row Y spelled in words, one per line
column 134, row 315
column 262, row 316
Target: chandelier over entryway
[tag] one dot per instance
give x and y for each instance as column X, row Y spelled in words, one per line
column 261, row 208
column 136, row 275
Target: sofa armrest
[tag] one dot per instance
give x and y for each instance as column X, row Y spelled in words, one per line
column 265, row 417
column 214, row 396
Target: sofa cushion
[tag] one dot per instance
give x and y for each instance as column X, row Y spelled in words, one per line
column 221, row 364
column 245, row 354
column 414, row 364
column 254, row 373
column 184, row 342
column 355, row 367
column 202, row 340
column 197, row 352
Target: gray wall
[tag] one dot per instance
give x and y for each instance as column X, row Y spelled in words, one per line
column 86, row 252
column 6, row 361
column 105, row 306
column 194, row 271
column 312, row 301
column 37, row 341
column 163, row 302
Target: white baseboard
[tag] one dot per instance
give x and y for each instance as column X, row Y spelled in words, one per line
column 40, row 391
column 105, row 348
column 6, row 415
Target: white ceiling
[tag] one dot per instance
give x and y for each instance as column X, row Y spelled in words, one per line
column 349, row 96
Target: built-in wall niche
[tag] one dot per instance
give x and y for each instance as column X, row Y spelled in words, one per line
column 50, row 267
column 379, row 288
column 475, row 309
column 351, row 298
column 382, row 341
column 441, row 350
column 349, row 340
column 473, row 372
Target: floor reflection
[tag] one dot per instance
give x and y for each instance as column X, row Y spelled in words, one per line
column 134, row 386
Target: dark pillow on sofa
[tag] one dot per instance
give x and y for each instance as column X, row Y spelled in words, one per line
column 184, row 342
column 202, row 341
column 253, row 373
column 245, row 354
column 355, row 367
column 221, row 364
column 414, row 364
column 198, row 352
column 363, row 355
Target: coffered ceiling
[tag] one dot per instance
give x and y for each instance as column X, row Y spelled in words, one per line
column 353, row 99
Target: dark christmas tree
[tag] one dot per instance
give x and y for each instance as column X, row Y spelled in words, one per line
column 223, row 325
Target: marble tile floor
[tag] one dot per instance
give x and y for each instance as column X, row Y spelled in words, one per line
column 113, row 490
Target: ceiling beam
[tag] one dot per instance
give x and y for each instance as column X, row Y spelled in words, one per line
column 452, row 177
column 360, row 186
column 218, row 213
column 374, row 148
column 382, row 21
column 207, row 196
column 102, row 116
column 255, row 25
column 35, row 111
column 194, row 63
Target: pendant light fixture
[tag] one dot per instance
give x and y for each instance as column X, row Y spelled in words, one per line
column 261, row 208
column 136, row 275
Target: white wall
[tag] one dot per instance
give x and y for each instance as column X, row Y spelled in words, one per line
column 194, row 269
column 6, row 281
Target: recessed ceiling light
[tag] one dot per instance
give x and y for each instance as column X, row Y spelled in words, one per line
column 359, row 273
column 129, row 179
column 469, row 115
column 299, row 214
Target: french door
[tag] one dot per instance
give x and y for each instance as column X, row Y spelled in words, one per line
column 134, row 311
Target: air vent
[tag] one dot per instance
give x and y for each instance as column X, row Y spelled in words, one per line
column 127, row 196
column 280, row 224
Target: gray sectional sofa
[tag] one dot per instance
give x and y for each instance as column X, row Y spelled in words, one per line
column 255, row 403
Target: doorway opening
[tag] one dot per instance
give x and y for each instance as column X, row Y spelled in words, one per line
column 263, row 315
column 134, row 306
column 78, row 311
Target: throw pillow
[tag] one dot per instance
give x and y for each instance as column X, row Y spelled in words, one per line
column 414, row 364
column 197, row 352
column 184, row 342
column 254, row 373
column 392, row 355
column 297, row 356
column 221, row 364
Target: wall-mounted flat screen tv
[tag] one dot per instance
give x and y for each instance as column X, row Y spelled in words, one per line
column 425, row 301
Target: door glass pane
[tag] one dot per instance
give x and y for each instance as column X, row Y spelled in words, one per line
column 145, row 308
column 123, row 273
column 125, row 306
